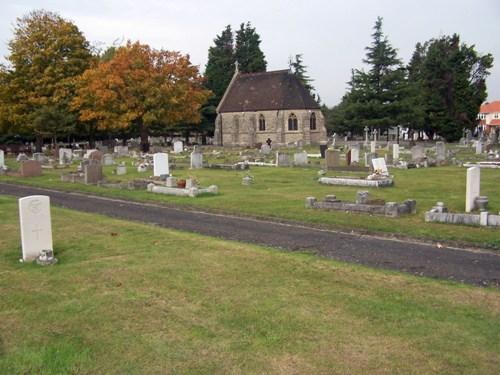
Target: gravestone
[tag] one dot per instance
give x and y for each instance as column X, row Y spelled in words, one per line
column 348, row 157
column 96, row 155
column 388, row 159
column 39, row 156
column 332, row 159
column 196, row 160
column 84, row 163
column 368, row 159
column 417, row 153
column 265, row 149
column 92, row 173
column 197, row 148
column 300, row 158
column 2, row 159
column 472, row 189
column 108, row 159
column 282, row 159
column 31, row 168
column 395, row 152
column 104, row 149
column 373, row 146
column 89, row 152
column 479, row 148
column 440, row 151
column 36, row 226
column 160, row 164
column 300, row 143
column 178, row 147
column 64, row 155
column 379, row 164
column 121, row 169
column 354, row 156
column 121, row 150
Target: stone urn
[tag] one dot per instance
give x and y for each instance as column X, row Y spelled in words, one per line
column 181, row 183
column 482, row 202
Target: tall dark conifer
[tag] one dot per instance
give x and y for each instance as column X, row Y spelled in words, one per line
column 250, row 57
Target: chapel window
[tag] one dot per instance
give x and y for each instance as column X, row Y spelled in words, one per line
column 262, row 123
column 293, row 123
column 312, row 121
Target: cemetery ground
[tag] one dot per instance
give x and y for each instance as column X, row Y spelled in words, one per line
column 128, row 297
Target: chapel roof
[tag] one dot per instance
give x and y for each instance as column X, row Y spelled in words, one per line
column 276, row 90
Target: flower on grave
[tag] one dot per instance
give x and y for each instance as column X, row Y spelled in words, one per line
column 378, row 171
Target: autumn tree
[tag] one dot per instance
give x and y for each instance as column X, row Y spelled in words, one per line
column 140, row 88
column 47, row 53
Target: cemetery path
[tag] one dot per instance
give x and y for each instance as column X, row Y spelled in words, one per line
column 462, row 265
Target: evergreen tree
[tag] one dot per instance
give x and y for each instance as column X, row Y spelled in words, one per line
column 449, row 80
column 250, row 57
column 377, row 98
column 297, row 67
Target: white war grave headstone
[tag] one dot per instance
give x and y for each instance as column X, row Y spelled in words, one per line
column 2, row 159
column 160, row 164
column 472, row 188
column 178, row 147
column 380, row 166
column 36, row 226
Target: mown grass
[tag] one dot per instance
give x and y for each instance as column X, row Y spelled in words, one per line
column 152, row 300
column 281, row 192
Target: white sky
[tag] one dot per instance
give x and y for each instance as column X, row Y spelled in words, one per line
column 330, row 34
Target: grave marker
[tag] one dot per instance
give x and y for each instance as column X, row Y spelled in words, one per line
column 36, row 227
column 379, row 164
column 395, row 152
column 64, row 155
column 332, row 158
column 472, row 190
column 178, row 147
column 282, row 159
column 440, row 151
column 160, row 164
column 196, row 160
column 2, row 159
column 417, row 153
column 31, row 168
column 354, row 155
column 300, row 158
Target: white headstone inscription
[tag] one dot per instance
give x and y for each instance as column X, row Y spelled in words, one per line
column 36, row 226
column 160, row 163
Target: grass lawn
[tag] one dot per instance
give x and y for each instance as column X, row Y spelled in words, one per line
column 151, row 300
column 281, row 192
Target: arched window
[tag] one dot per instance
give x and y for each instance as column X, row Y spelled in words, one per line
column 292, row 122
column 312, row 121
column 262, row 123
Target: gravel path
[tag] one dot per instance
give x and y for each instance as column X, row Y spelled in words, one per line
column 463, row 265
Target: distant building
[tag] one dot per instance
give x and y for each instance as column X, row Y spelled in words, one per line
column 489, row 117
column 271, row 105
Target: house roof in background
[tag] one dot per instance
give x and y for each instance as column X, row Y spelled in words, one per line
column 493, row 107
column 276, row 90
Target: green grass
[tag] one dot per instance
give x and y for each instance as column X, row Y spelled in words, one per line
column 152, row 300
column 280, row 193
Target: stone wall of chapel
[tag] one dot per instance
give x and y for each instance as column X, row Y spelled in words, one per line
column 242, row 128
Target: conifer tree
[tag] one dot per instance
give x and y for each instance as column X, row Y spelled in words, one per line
column 250, row 57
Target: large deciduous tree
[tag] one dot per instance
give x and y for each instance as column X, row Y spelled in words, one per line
column 449, row 79
column 47, row 53
column 377, row 98
column 142, row 88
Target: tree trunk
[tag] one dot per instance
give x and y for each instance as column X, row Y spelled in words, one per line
column 38, row 143
column 91, row 136
column 144, row 134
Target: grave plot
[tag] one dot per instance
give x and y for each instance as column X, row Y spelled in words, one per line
column 179, row 187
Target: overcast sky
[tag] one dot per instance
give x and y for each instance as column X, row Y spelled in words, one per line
column 331, row 35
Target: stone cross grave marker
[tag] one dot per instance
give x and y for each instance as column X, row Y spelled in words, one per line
column 379, row 164
column 472, row 189
column 178, row 147
column 36, row 226
column 160, row 164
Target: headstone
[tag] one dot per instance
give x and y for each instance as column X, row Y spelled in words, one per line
column 368, row 159
column 373, row 146
column 36, row 226
column 39, row 156
column 121, row 150
column 300, row 143
column 178, row 147
column 282, row 159
column 265, row 149
column 479, row 148
column 2, row 159
column 440, row 151
column 417, row 153
column 160, row 164
column 96, row 155
column 64, row 155
column 92, row 173
column 31, row 168
column 84, row 163
column 332, row 158
column 300, row 158
column 121, row 169
column 89, row 152
column 348, row 157
column 395, row 152
column 388, row 159
column 196, row 160
column 108, row 159
column 472, row 189
column 379, row 165
column 197, row 148
column 354, row 155
column 104, row 149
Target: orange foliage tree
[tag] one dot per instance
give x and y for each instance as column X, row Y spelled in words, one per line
column 140, row 87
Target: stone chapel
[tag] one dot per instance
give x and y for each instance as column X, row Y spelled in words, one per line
column 269, row 105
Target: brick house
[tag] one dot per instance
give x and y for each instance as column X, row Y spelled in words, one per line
column 269, row 105
column 489, row 117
